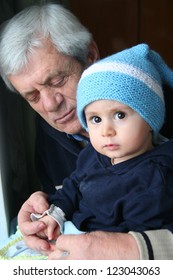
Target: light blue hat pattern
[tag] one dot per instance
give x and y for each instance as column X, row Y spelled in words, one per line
column 134, row 77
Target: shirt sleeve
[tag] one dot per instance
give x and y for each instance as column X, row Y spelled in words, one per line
column 154, row 244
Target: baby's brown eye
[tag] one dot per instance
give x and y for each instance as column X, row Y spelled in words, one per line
column 120, row 115
column 96, row 119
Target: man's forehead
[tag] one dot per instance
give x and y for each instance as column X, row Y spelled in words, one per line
column 46, row 71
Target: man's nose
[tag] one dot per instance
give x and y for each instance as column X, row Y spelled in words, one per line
column 51, row 99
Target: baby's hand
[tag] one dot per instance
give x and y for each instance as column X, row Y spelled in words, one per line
column 52, row 231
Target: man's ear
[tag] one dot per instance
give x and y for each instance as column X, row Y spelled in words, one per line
column 93, row 53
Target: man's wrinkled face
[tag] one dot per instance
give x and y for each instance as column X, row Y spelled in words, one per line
column 49, row 86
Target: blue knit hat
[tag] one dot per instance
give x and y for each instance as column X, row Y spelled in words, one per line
column 133, row 77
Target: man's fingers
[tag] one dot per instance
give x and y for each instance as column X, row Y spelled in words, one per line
column 39, row 202
column 24, row 213
column 29, row 228
column 37, row 244
column 66, row 241
column 36, row 203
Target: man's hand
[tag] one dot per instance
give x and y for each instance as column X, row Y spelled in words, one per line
column 36, row 203
column 97, row 245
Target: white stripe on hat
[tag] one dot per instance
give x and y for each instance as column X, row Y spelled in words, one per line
column 128, row 69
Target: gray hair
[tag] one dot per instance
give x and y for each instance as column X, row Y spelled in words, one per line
column 27, row 30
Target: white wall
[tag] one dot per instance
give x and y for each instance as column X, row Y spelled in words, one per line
column 4, row 216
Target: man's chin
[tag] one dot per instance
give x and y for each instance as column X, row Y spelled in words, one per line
column 71, row 128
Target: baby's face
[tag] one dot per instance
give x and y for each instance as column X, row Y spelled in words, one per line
column 116, row 130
